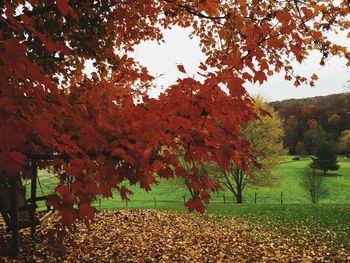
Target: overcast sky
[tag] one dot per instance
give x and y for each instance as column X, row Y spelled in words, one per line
column 180, row 49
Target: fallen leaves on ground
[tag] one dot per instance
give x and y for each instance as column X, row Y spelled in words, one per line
column 169, row 236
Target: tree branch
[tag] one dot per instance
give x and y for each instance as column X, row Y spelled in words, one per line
column 199, row 14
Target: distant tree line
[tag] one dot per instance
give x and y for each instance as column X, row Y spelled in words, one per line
column 313, row 121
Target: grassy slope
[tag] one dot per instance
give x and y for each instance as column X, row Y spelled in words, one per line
column 291, row 174
column 338, row 183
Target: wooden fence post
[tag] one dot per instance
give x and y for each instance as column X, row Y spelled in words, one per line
column 224, row 199
column 255, row 197
column 281, row 197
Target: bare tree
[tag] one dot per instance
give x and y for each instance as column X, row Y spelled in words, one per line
column 235, row 179
column 314, row 185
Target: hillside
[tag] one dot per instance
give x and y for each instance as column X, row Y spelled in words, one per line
column 310, row 120
column 341, row 100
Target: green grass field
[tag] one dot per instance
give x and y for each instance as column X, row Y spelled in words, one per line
column 169, row 194
column 290, row 172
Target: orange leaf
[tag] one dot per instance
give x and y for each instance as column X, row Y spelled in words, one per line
column 86, row 211
column 307, row 12
column 67, row 216
column 195, row 204
column 181, row 68
column 260, row 76
column 179, row 171
column 63, row 7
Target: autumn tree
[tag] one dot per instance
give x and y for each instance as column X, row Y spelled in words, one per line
column 314, row 136
column 334, row 119
column 201, row 169
column 343, row 145
column 193, row 186
column 325, row 159
column 98, row 132
column 334, row 124
column 265, row 136
column 300, row 148
column 291, row 129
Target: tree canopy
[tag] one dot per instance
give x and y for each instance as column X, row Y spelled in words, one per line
column 95, row 133
column 266, row 137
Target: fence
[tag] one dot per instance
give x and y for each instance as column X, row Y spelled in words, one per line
column 175, row 198
column 156, row 202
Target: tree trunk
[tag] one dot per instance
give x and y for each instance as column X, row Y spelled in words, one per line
column 239, row 197
column 14, row 219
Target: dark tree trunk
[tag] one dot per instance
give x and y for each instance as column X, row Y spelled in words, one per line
column 239, row 197
column 33, row 197
column 14, row 219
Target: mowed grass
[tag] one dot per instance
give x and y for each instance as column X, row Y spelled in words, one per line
column 290, row 174
column 337, row 182
column 169, row 194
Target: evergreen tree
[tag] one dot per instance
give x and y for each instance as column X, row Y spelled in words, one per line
column 326, row 159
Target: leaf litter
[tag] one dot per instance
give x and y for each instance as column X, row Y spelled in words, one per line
column 171, row 236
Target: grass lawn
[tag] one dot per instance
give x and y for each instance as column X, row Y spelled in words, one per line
column 290, row 172
column 338, row 182
column 169, row 194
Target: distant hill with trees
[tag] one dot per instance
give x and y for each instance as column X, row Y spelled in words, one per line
column 311, row 121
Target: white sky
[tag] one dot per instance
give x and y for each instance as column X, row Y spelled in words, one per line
column 180, row 49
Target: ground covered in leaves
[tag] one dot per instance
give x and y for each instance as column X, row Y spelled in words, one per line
column 169, row 236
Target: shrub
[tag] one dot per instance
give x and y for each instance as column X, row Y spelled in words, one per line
column 314, row 185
